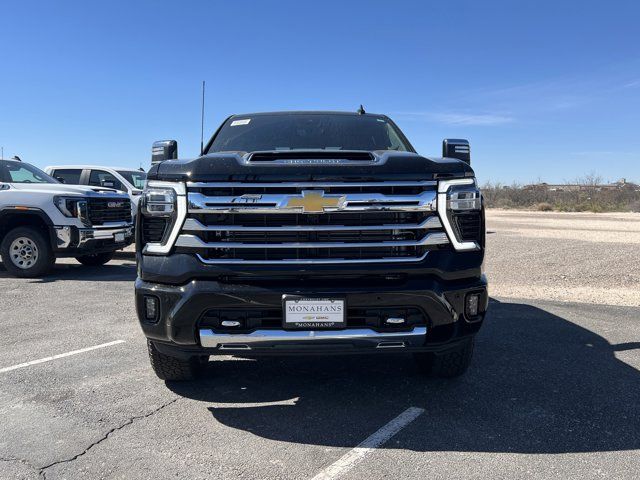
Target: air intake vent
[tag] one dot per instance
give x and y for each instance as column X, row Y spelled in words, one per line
column 311, row 156
column 153, row 229
column 469, row 225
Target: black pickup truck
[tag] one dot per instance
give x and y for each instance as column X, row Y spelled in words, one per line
column 310, row 233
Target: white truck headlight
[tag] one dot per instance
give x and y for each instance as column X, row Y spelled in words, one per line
column 72, row 207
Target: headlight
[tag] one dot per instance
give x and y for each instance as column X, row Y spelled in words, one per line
column 159, row 202
column 163, row 209
column 460, row 210
column 463, row 198
column 72, row 207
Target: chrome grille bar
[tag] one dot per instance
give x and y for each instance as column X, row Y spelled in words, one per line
column 311, row 261
column 320, row 185
column 194, row 225
column 278, row 203
column 193, row 241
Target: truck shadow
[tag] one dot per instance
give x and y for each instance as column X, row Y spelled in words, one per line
column 110, row 272
column 538, row 384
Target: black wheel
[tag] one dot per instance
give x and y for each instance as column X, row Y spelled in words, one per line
column 96, row 259
column 26, row 253
column 448, row 364
column 171, row 368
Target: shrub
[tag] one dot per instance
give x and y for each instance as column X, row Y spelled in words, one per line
column 586, row 196
column 543, row 207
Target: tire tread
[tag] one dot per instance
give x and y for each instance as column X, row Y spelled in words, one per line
column 171, row 368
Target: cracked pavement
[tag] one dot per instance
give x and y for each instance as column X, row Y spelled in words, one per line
column 553, row 391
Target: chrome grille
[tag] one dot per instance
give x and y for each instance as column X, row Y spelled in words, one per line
column 311, row 222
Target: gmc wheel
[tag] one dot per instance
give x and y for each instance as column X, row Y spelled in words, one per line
column 26, row 253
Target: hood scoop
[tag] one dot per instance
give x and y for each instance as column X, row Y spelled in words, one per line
column 311, row 157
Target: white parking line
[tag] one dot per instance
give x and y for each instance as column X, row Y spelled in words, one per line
column 355, row 455
column 60, row 355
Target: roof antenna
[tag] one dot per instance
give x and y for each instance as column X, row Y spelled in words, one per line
column 361, row 110
column 202, row 123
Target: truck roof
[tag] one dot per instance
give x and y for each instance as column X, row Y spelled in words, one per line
column 309, row 112
column 123, row 169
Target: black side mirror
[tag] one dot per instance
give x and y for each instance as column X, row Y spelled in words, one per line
column 457, row 148
column 164, row 150
column 60, row 179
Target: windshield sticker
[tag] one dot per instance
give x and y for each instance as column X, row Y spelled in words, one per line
column 240, row 122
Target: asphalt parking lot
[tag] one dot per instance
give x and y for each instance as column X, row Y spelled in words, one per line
column 553, row 391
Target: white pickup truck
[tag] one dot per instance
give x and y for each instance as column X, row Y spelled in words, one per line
column 126, row 180
column 41, row 219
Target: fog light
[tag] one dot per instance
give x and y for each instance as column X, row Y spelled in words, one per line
column 394, row 321
column 230, row 323
column 472, row 303
column 151, row 308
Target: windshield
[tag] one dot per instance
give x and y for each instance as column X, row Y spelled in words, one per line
column 19, row 172
column 134, row 177
column 308, row 131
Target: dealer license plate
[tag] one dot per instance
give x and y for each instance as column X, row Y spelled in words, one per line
column 312, row 313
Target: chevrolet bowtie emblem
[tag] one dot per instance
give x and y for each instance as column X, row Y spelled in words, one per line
column 314, row 201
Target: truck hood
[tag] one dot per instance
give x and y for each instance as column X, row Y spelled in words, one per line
column 63, row 189
column 282, row 166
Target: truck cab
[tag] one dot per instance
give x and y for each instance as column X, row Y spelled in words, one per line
column 310, row 233
column 127, row 180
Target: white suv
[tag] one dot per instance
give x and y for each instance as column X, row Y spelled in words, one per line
column 126, row 180
column 41, row 219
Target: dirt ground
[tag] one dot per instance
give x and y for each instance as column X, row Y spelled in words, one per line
column 581, row 257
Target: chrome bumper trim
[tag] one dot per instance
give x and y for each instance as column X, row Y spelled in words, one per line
column 63, row 236
column 271, row 338
column 88, row 234
column 194, row 225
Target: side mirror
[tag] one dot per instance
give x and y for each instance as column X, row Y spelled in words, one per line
column 60, row 179
column 457, row 148
column 164, row 150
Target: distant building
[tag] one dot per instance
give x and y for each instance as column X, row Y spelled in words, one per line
column 621, row 184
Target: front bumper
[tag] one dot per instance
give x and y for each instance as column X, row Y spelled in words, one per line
column 365, row 337
column 179, row 328
column 73, row 241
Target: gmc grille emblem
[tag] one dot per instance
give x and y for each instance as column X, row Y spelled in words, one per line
column 115, row 204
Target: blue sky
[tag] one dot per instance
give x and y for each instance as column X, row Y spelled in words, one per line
column 543, row 90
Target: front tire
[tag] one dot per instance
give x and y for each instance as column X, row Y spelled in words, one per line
column 96, row 259
column 174, row 369
column 449, row 364
column 26, row 253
